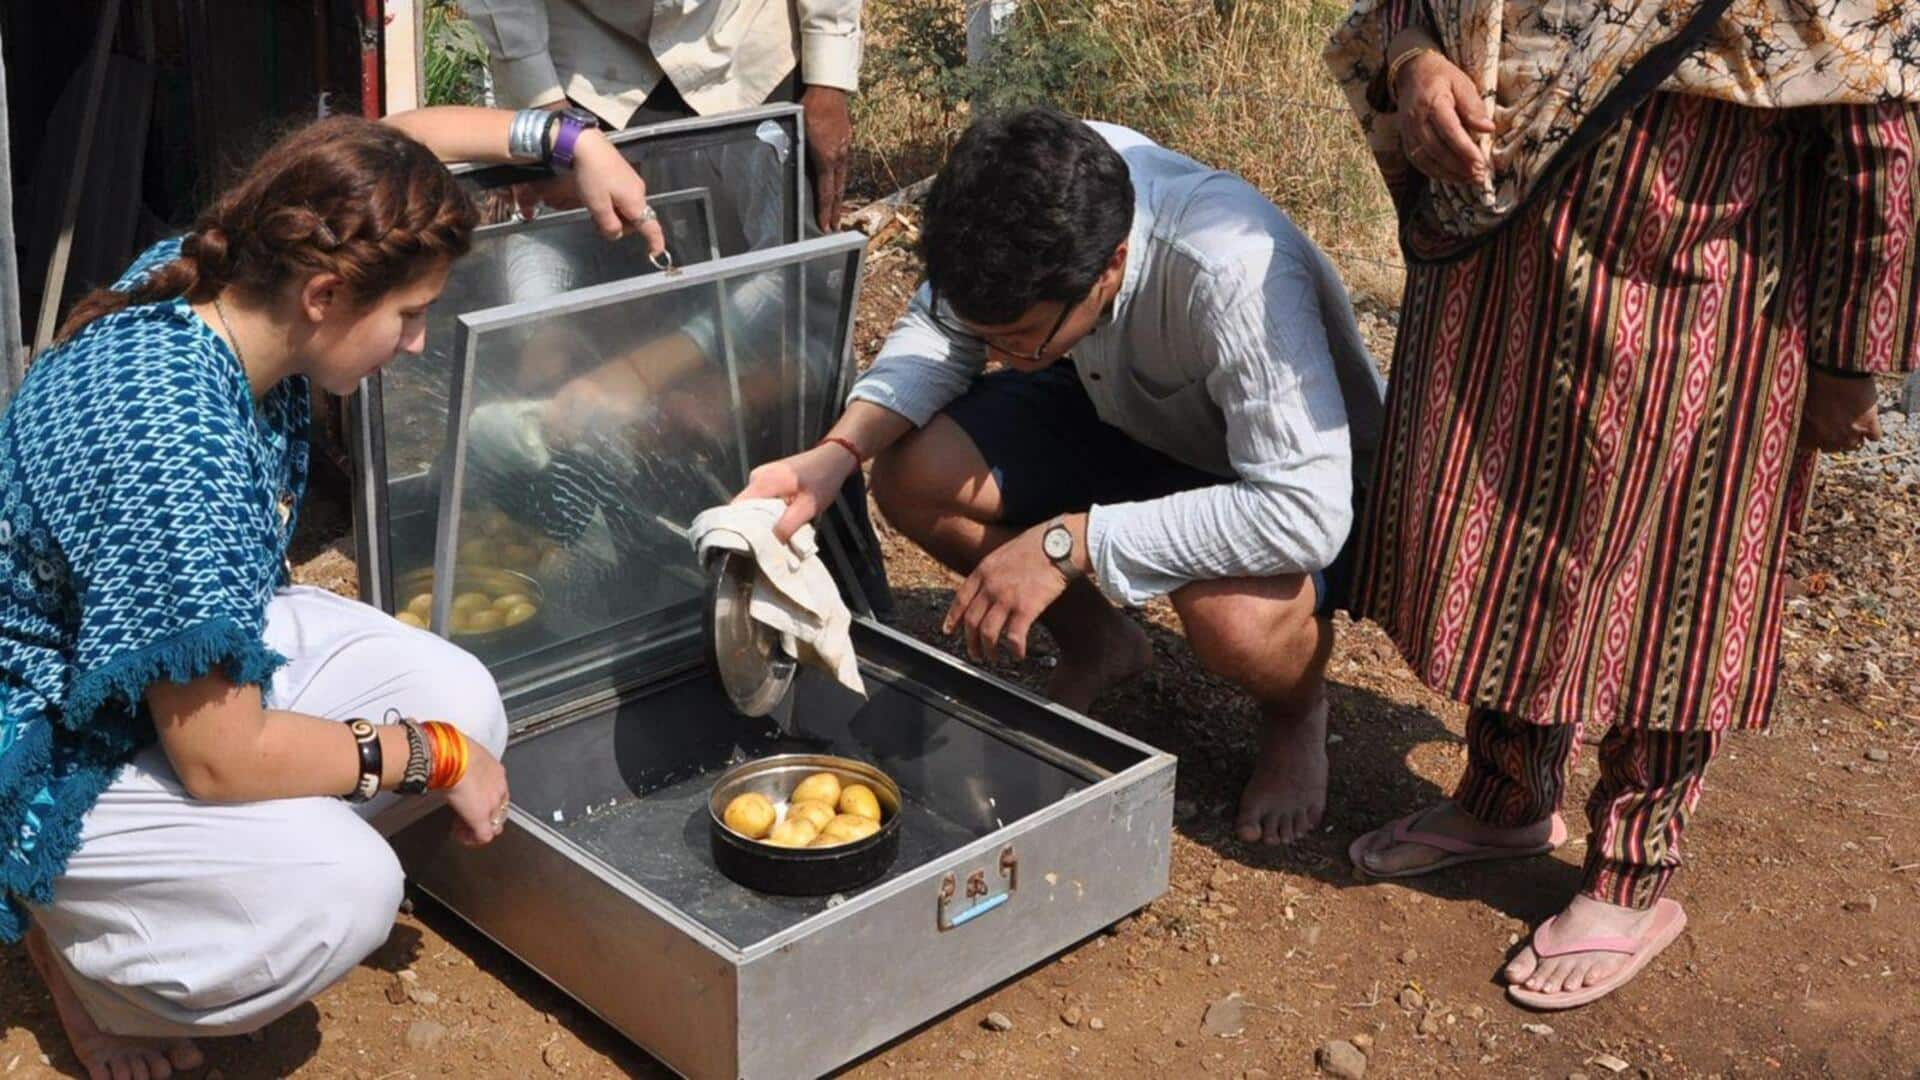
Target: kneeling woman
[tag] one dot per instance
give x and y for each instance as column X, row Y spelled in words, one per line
column 197, row 758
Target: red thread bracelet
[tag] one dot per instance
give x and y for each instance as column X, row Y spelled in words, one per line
column 844, row 444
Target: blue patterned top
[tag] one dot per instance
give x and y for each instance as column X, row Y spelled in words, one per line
column 146, row 502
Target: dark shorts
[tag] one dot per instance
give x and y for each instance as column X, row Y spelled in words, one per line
column 1050, row 453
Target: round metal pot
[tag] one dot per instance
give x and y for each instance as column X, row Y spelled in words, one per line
column 802, row 871
column 492, row 581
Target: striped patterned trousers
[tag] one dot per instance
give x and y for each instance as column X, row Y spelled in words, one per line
column 1649, row 784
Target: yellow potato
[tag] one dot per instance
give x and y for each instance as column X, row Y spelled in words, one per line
column 750, row 815
column 820, row 787
column 482, row 552
column 484, row 620
column 468, row 602
column 518, row 556
column 860, row 801
column 519, row 613
column 793, row 832
column 847, row 828
column 818, row 813
column 412, row 620
column 422, row 605
column 506, row 602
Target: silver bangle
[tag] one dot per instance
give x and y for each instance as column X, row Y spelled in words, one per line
column 526, row 134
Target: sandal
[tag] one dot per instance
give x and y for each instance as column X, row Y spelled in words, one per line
column 1456, row 851
column 1669, row 918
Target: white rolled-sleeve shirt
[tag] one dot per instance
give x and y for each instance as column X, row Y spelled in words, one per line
column 608, row 55
column 1231, row 346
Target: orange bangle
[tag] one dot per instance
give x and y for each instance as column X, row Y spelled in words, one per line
column 449, row 755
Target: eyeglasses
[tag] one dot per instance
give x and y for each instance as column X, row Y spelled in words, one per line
column 1037, row 356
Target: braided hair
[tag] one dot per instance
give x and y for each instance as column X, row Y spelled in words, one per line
column 341, row 196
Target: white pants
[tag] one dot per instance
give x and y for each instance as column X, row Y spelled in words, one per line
column 182, row 918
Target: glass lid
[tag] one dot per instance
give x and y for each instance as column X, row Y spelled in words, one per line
column 591, row 427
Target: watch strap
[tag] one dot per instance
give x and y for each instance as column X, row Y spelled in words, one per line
column 1063, row 563
column 566, row 140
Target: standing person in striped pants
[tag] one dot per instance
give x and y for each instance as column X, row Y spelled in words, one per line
column 1655, row 254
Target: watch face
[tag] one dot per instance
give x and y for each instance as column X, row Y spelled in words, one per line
column 1057, row 542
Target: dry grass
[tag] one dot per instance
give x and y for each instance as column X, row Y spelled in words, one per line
column 1235, row 83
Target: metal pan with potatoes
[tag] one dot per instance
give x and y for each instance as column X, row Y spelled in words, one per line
column 804, row 824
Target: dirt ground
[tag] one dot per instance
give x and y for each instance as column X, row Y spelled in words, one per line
column 1803, row 883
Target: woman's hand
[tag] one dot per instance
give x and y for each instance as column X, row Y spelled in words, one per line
column 1840, row 413
column 613, row 193
column 479, row 800
column 808, row 482
column 1440, row 113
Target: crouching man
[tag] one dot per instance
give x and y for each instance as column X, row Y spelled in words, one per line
column 1179, row 405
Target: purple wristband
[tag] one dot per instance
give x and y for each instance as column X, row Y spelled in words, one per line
column 571, row 128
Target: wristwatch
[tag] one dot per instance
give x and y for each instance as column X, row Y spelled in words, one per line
column 1057, row 542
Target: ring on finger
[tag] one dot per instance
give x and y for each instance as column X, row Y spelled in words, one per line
column 648, row 213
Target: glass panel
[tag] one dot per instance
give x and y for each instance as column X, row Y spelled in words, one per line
column 593, row 427
column 512, row 262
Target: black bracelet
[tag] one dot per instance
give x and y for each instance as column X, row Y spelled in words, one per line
column 419, row 762
column 367, row 739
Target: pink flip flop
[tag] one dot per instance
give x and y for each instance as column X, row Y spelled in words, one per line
column 1669, row 918
column 1457, row 851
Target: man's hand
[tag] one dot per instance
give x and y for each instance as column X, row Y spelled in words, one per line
column 1840, row 413
column 808, row 482
column 830, row 145
column 1009, row 590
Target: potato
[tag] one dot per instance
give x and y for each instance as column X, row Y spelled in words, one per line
column 519, row 613
column 793, row 832
column 481, row 552
column 818, row 813
column 412, row 620
column 820, row 787
column 750, row 815
column 468, row 602
column 847, row 828
column 484, row 621
column 506, row 602
column 422, row 605
column 860, row 801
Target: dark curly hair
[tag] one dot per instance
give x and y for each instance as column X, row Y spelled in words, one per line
column 342, row 196
column 1029, row 207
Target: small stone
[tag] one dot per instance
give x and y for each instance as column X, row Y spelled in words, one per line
column 1411, row 999
column 424, row 1035
column 397, row 992
column 424, row 997
column 1340, row 1058
column 1364, row 1041
column 1878, row 756
column 1409, row 955
column 1865, row 905
column 1213, row 959
column 555, row 1056
column 407, row 975
column 1576, row 1076
column 968, row 1055
column 997, row 1021
column 1096, row 1024
column 1429, row 1024
column 1180, row 1042
column 1475, row 1012
column 1541, row 1030
column 1226, row 1018
column 1070, row 1016
column 1609, row 1062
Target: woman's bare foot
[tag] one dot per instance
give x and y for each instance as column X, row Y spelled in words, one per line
column 104, row 1056
column 1287, row 793
column 1381, row 855
column 1097, row 655
column 1584, row 919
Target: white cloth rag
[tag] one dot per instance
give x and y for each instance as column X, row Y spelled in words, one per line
column 794, row 593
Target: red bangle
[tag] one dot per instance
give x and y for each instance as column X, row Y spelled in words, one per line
column 844, row 444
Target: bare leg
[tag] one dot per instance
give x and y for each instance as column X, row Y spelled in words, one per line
column 104, row 1056
column 935, row 488
column 1262, row 634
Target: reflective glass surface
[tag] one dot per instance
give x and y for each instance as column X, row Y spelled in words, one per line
column 590, row 430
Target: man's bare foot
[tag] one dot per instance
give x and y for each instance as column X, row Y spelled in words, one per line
column 104, row 1056
column 1584, row 919
column 1378, row 854
column 1093, row 663
column 1287, row 793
